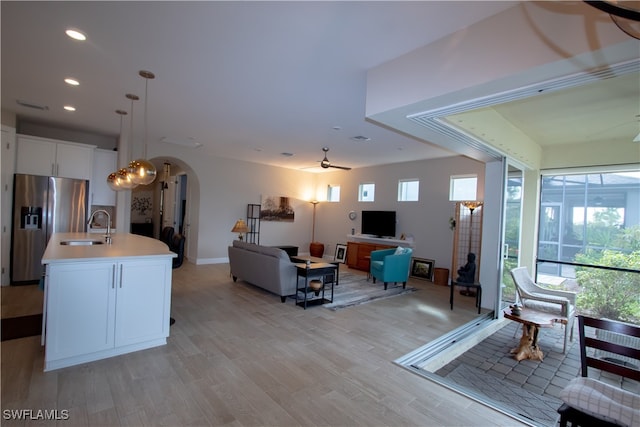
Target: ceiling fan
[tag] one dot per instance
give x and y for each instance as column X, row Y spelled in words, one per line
column 326, row 164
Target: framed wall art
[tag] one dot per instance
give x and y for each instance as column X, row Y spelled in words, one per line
column 422, row 268
column 277, row 208
column 341, row 253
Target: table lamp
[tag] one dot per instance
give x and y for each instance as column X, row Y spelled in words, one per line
column 240, row 227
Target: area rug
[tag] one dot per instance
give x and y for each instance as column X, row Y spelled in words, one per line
column 354, row 289
column 20, row 327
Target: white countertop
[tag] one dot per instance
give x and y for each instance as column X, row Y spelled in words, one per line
column 124, row 245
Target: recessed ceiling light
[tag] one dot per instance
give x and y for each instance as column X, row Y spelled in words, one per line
column 72, row 82
column 69, row 108
column 76, row 34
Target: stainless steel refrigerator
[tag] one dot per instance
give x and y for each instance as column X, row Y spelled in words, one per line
column 43, row 205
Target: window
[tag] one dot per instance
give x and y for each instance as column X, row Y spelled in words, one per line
column 586, row 214
column 588, row 239
column 333, row 193
column 408, row 190
column 366, row 192
column 463, row 187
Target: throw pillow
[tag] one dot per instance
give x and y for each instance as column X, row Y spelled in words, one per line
column 400, row 251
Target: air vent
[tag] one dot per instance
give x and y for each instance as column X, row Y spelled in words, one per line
column 32, row 105
column 184, row 142
column 361, row 138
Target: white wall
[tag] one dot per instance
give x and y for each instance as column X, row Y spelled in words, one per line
column 7, row 160
column 227, row 186
column 536, row 41
column 223, row 189
column 427, row 220
column 48, row 131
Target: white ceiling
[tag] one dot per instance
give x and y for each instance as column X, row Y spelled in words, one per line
column 247, row 80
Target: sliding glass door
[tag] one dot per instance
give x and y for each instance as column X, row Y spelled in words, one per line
column 512, row 226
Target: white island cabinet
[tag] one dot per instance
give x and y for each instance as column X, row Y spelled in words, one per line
column 104, row 300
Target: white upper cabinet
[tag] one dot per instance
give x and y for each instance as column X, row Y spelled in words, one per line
column 104, row 162
column 49, row 157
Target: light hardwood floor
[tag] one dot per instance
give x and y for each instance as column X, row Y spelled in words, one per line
column 237, row 356
column 21, row 300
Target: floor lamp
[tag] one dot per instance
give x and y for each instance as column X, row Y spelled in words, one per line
column 471, row 205
column 316, row 249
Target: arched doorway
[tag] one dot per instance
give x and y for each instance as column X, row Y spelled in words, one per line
column 166, row 202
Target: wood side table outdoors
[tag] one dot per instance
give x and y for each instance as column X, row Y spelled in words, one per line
column 322, row 270
column 532, row 321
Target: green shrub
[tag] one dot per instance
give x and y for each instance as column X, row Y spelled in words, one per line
column 612, row 294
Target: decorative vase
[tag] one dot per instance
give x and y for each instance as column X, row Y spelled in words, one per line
column 316, row 249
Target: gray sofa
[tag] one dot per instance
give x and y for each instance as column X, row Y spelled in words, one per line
column 266, row 267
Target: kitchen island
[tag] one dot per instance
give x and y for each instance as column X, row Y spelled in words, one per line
column 103, row 300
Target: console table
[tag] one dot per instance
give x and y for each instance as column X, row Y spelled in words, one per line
column 308, row 271
column 380, row 240
column 290, row 250
column 359, row 254
column 359, row 247
column 142, row 228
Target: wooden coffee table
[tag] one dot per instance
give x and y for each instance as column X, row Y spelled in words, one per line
column 532, row 321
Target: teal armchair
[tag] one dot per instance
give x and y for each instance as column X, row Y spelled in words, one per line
column 388, row 266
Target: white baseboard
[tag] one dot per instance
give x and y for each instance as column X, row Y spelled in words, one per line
column 202, row 261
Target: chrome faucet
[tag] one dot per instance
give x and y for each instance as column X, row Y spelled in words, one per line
column 107, row 237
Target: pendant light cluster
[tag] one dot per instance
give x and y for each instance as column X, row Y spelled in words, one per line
column 139, row 171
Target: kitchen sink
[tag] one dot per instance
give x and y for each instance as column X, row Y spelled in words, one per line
column 81, row 242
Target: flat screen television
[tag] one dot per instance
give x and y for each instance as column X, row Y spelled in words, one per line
column 379, row 223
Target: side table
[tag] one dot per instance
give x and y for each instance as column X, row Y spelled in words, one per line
column 532, row 321
column 477, row 286
column 319, row 270
column 314, row 260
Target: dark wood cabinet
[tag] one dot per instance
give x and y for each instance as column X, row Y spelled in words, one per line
column 142, row 228
column 359, row 254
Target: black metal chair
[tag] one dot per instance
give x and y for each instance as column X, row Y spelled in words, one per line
column 166, row 235
column 590, row 402
column 177, row 246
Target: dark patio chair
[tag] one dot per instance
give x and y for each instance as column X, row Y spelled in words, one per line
column 591, row 402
